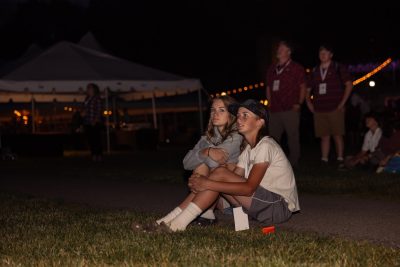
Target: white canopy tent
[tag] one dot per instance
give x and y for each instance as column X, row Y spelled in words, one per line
column 62, row 72
column 89, row 41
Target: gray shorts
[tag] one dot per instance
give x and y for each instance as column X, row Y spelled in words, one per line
column 376, row 157
column 268, row 207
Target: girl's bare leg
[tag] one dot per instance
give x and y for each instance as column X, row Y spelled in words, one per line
column 204, row 198
column 205, row 171
column 222, row 202
column 209, row 213
column 201, row 169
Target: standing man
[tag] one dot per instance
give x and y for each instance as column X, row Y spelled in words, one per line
column 93, row 123
column 330, row 84
column 286, row 88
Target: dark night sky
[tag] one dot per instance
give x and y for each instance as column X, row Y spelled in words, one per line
column 224, row 43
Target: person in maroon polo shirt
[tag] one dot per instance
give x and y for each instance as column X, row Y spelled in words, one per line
column 286, row 88
column 330, row 84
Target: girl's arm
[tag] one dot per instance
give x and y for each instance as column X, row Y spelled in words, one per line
column 216, row 156
column 239, row 171
column 201, row 153
column 225, row 181
column 231, row 146
column 196, row 156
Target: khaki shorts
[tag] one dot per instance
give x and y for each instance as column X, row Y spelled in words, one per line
column 329, row 123
column 268, row 207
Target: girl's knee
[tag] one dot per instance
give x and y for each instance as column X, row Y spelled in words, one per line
column 202, row 169
column 218, row 174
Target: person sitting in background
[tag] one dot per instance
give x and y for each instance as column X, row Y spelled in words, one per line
column 392, row 102
column 390, row 148
column 392, row 106
column 367, row 154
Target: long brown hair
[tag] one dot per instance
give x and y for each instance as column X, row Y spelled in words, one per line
column 230, row 126
column 264, row 131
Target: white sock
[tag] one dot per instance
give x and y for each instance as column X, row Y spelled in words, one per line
column 208, row 214
column 170, row 216
column 339, row 159
column 225, row 203
column 187, row 215
column 324, row 159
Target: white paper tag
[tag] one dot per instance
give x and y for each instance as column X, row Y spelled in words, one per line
column 241, row 219
column 275, row 85
column 322, row 89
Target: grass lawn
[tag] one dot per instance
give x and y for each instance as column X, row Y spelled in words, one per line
column 36, row 232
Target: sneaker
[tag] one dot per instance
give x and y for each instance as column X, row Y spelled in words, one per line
column 144, row 227
column 200, row 221
column 164, row 228
column 380, row 169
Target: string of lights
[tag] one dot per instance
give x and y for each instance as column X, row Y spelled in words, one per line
column 249, row 88
column 239, row 90
column 373, row 72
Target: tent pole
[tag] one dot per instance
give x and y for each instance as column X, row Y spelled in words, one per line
column 200, row 113
column 33, row 115
column 114, row 111
column 107, row 122
column 153, row 104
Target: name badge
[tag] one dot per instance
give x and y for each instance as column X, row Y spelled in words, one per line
column 275, row 86
column 322, row 89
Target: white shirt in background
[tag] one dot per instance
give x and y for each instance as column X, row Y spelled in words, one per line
column 371, row 140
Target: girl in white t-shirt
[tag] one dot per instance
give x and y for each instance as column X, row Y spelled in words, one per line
column 262, row 182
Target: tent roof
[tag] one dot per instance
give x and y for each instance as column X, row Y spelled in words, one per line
column 68, row 68
column 89, row 41
column 68, row 61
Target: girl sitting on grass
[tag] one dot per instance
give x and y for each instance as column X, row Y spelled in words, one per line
column 220, row 146
column 262, row 183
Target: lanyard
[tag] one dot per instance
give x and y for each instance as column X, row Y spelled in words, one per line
column 323, row 72
column 282, row 68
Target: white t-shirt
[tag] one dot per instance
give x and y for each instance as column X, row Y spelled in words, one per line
column 371, row 140
column 279, row 177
